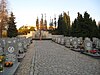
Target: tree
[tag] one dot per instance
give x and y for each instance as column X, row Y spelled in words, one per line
column 24, row 30
column 99, row 26
column 91, row 26
column 76, row 29
column 12, row 30
column 84, row 26
column 60, row 23
column 37, row 23
column 32, row 29
column 99, row 29
column 51, row 25
column 64, row 25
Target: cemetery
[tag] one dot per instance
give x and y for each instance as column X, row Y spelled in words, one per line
column 86, row 46
column 60, row 47
column 12, row 51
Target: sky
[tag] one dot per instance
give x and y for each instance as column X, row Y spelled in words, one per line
column 26, row 11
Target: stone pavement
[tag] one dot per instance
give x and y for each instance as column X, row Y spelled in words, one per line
column 54, row 59
column 24, row 67
column 50, row 58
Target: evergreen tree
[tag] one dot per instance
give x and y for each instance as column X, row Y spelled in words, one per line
column 84, row 26
column 78, row 27
column 91, row 26
column 74, row 28
column 64, row 25
column 60, row 23
column 12, row 30
column 99, row 26
column 61, row 26
column 51, row 25
column 99, row 29
column 37, row 23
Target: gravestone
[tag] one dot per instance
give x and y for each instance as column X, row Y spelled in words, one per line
column 99, row 44
column 87, row 44
column 20, row 46
column 21, row 53
column 3, row 43
column 1, row 47
column 62, row 39
column 89, row 49
column 10, row 51
column 1, row 50
column 96, row 42
column 54, row 38
column 71, row 39
column 1, row 56
column 67, row 41
column 75, row 42
column 80, row 41
column 58, row 40
column 29, row 40
column 25, row 44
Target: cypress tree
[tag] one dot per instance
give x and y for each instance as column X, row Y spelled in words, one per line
column 66, row 26
column 60, row 23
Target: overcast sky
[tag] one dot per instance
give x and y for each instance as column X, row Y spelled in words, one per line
column 26, row 11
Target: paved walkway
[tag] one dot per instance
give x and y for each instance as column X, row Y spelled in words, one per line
column 50, row 58
column 25, row 64
column 54, row 59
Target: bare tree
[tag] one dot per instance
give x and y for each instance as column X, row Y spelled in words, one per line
column 3, row 16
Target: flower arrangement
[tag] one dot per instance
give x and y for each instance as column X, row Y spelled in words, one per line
column 93, row 51
column 2, row 58
column 8, row 64
column 1, row 68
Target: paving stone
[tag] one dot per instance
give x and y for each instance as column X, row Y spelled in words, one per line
column 55, row 59
column 50, row 58
column 24, row 68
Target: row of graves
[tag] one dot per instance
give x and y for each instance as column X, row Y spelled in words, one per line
column 12, row 51
column 86, row 46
